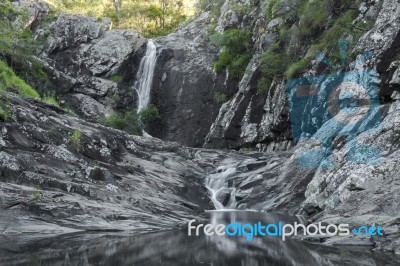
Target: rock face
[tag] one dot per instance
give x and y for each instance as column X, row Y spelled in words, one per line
column 350, row 185
column 185, row 85
column 55, row 180
column 82, row 55
column 36, row 10
column 251, row 118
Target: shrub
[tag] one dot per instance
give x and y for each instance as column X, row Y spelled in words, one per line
column 70, row 111
column 219, row 97
column 235, row 55
column 37, row 195
column 272, row 4
column 117, row 78
column 239, row 63
column 75, row 139
column 273, row 65
column 50, row 98
column 223, row 61
column 313, row 19
column 236, row 40
column 149, row 114
column 114, row 121
column 132, row 122
column 215, row 39
column 264, row 84
column 296, row 69
column 5, row 112
column 10, row 81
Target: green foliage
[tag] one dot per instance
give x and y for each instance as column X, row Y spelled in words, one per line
column 17, row 45
column 271, row 6
column 216, row 39
column 114, row 121
column 241, row 9
column 75, row 139
column 296, row 69
column 70, row 111
column 328, row 42
column 151, row 18
column 235, row 55
column 316, row 24
column 313, row 20
column 273, row 65
column 9, row 81
column 117, row 78
column 5, row 112
column 239, row 64
column 149, row 114
column 50, row 98
column 223, row 61
column 37, row 195
column 236, row 40
column 132, row 122
column 51, row 131
column 219, row 97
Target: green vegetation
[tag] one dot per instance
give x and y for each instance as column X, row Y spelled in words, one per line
column 149, row 114
column 318, row 26
column 5, row 112
column 70, row 111
column 37, row 195
column 115, row 121
column 311, row 189
column 219, row 97
column 271, row 7
column 150, row 17
column 50, row 98
column 9, row 81
column 132, row 122
column 313, row 19
column 18, row 47
column 273, row 65
column 51, row 131
column 75, row 139
column 117, row 78
column 297, row 68
column 236, row 53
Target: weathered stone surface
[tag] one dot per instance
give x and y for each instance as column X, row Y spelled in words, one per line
column 107, row 180
column 185, row 83
column 37, row 10
column 82, row 54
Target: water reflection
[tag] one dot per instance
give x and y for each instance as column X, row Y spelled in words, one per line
column 176, row 248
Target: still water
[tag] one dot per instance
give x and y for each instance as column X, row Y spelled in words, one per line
column 175, row 248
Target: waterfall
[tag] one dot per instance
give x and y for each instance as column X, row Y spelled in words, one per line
column 144, row 76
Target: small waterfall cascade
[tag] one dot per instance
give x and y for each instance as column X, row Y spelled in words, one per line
column 222, row 196
column 145, row 75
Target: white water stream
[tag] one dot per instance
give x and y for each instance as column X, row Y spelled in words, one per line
column 216, row 185
column 145, row 75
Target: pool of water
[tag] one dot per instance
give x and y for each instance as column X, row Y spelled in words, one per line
column 176, row 248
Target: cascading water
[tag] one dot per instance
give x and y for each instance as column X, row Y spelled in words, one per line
column 219, row 184
column 222, row 196
column 144, row 76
